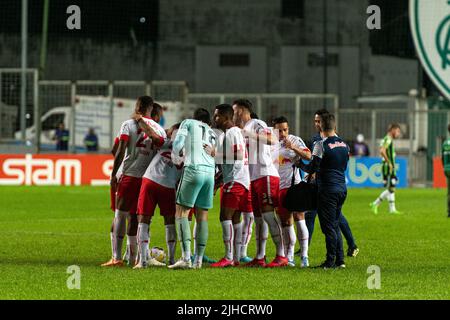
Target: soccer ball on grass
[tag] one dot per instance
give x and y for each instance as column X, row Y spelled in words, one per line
column 158, row 254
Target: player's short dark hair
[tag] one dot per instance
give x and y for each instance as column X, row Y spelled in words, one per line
column 328, row 122
column 253, row 115
column 244, row 103
column 279, row 120
column 156, row 110
column 176, row 126
column 201, row 114
column 225, row 110
column 321, row 112
column 143, row 104
column 393, row 126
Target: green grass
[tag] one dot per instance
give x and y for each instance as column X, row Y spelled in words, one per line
column 43, row 230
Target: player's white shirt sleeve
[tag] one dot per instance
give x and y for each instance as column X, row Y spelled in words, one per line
column 260, row 157
column 125, row 130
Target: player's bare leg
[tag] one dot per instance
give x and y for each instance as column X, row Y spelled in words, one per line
column 275, row 229
column 302, row 236
column 287, row 222
column 184, row 236
column 171, row 238
column 118, row 233
column 201, row 235
column 228, row 236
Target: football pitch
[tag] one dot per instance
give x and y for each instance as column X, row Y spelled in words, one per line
column 44, row 230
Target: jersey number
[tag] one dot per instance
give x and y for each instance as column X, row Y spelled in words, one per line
column 212, row 138
column 140, row 143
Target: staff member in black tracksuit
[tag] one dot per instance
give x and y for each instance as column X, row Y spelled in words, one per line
column 310, row 216
column 329, row 161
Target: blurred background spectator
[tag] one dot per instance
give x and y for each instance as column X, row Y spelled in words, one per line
column 359, row 148
column 62, row 138
column 91, row 140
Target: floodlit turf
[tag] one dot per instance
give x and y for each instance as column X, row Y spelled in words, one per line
column 43, row 230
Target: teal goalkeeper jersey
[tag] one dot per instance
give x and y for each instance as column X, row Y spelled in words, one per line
column 191, row 137
column 446, row 155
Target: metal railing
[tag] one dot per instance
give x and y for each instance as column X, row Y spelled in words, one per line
column 422, row 129
column 298, row 108
column 44, row 96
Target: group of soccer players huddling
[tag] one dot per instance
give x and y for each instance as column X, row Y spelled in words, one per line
column 181, row 168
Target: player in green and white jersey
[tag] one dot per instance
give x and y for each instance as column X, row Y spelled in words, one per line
column 387, row 152
column 446, row 164
column 195, row 145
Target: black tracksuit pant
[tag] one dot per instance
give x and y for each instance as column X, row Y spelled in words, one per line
column 329, row 211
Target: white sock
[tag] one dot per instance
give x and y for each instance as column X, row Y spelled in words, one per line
column 237, row 240
column 391, row 200
column 383, row 196
column 289, row 241
column 247, row 228
column 143, row 241
column 275, row 231
column 120, row 225
column 228, row 238
column 262, row 233
column 302, row 236
column 171, row 241
column 132, row 248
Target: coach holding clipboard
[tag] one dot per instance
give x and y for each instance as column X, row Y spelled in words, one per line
column 329, row 160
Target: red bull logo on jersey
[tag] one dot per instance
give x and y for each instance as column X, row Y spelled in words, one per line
column 337, row 144
column 282, row 160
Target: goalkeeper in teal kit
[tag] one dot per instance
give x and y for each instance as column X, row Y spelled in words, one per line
column 195, row 145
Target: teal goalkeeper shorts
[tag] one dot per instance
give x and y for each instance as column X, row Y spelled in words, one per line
column 196, row 188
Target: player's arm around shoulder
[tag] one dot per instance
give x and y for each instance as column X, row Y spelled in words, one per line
column 297, row 145
column 317, row 156
column 262, row 133
column 157, row 139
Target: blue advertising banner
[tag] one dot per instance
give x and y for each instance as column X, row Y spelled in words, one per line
column 365, row 172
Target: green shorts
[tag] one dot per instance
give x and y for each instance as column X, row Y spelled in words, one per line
column 196, row 188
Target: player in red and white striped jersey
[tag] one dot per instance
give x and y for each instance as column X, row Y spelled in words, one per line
column 264, row 183
column 158, row 189
column 235, row 193
column 136, row 149
column 290, row 150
